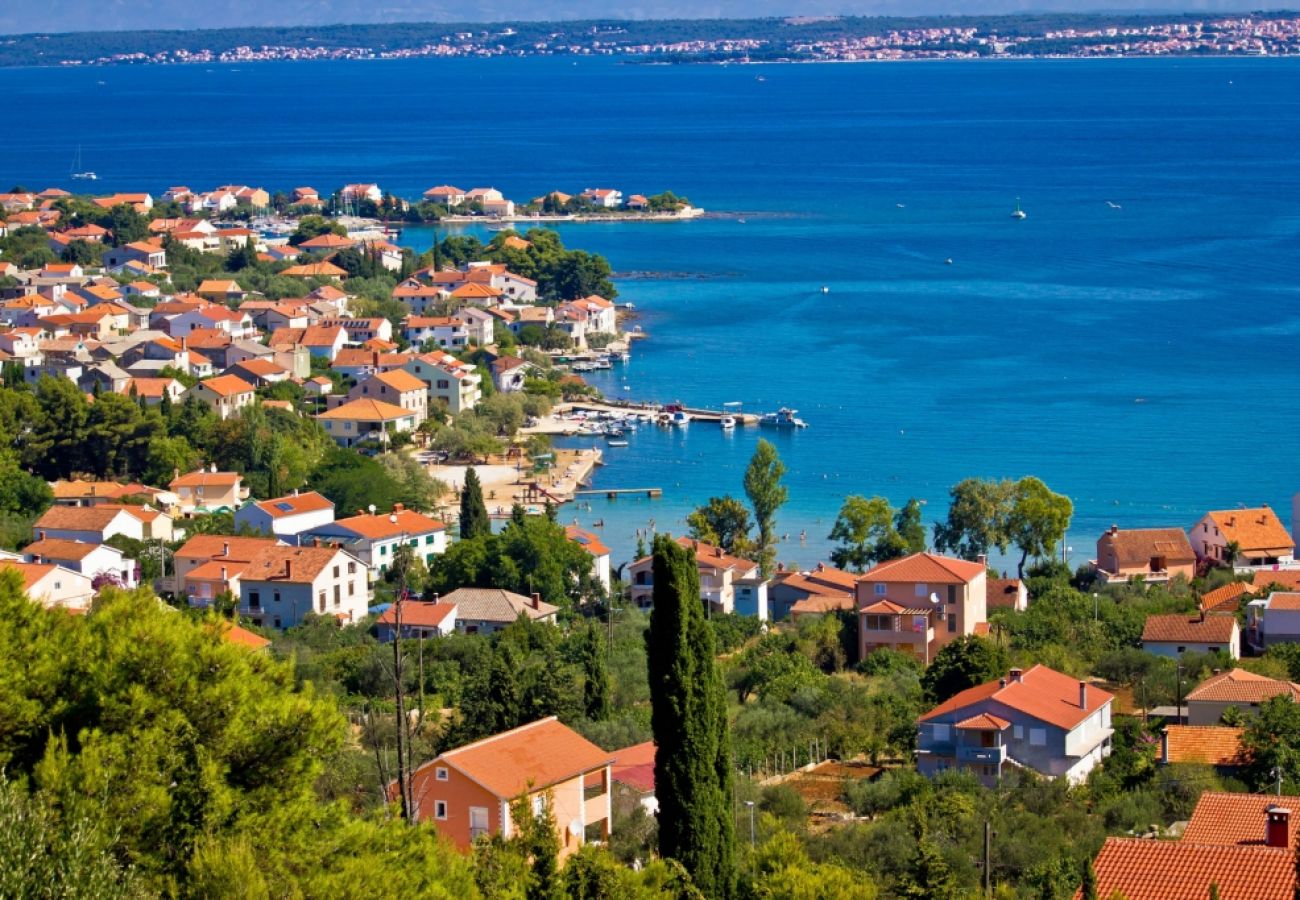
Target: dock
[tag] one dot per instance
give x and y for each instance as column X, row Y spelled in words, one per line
column 615, row 493
column 623, row 406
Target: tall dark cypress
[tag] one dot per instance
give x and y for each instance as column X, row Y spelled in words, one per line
column 688, row 714
column 595, row 688
column 474, row 520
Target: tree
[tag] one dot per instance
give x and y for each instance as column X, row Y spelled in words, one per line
column 1088, row 887
column 977, row 518
column 1038, row 520
column 21, row 493
column 910, row 528
column 766, row 494
column 688, row 714
column 595, row 685
column 1271, row 742
column 865, row 532
column 724, row 522
column 474, row 519
column 126, row 224
column 962, row 664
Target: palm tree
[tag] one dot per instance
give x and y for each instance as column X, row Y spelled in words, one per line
column 1231, row 551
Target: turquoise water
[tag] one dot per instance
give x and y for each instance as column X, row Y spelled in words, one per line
column 1142, row 359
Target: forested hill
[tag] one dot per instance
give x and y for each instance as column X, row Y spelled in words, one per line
column 604, row 36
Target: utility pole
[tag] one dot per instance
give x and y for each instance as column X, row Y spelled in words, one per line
column 750, row 804
column 1178, row 674
column 988, row 856
column 1277, row 773
column 403, row 742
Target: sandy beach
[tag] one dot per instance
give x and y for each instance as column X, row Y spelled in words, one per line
column 505, row 485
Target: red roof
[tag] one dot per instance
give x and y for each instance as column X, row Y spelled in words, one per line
column 523, row 760
column 635, row 767
column 588, row 541
column 1241, row 686
column 294, row 504
column 381, row 525
column 924, row 568
column 1180, row 628
column 416, row 614
column 1040, row 692
column 1212, row 745
column 984, row 722
column 1142, row 869
column 1236, row 820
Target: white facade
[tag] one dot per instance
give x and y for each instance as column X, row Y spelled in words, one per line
column 340, row 589
column 285, row 525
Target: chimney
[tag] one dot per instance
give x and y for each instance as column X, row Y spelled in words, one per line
column 1016, row 673
column 92, row 489
column 1200, row 608
column 535, row 601
column 361, row 512
column 398, row 507
column 435, row 596
column 225, row 549
column 983, row 560
column 315, row 542
column 1277, row 830
column 821, row 567
column 780, row 567
column 223, row 574
column 1002, row 682
column 213, row 468
column 1164, row 746
column 1083, row 695
column 40, row 535
column 1114, row 529
column 295, row 492
column 717, row 551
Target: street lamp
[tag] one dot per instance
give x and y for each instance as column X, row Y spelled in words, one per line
column 750, row 804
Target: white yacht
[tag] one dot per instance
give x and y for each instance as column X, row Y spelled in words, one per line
column 1019, row 213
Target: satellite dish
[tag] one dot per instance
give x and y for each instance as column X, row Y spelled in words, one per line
column 576, row 829
column 934, row 598
column 372, row 509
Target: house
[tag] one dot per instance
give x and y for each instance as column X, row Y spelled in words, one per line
column 1226, row 598
column 467, row 792
column 51, row 585
column 1178, row 633
column 323, row 341
column 316, row 270
column 596, row 549
column 1037, row 718
column 419, row 620
column 601, row 315
column 374, row 537
column 509, row 373
column 1207, row 745
column 1006, row 593
column 448, row 379
column 446, row 195
column 153, row 390
column 398, row 387
column 96, row 524
column 360, row 330
column 1241, row 844
column 90, row 493
column 438, row 331
column 920, row 603
column 1153, row 555
column 356, row 192
column 207, row 490
column 227, row 395
column 1274, row 619
column 305, row 196
column 604, row 198
column 288, row 516
column 99, row 562
column 818, row 591
column 222, row 290
column 208, row 564
column 258, row 372
column 149, row 252
column 1237, row 688
column 281, row 586
column 329, row 242
column 479, row 324
column 727, row 583
column 366, row 420
column 487, row 610
column 1260, row 538
column 633, row 774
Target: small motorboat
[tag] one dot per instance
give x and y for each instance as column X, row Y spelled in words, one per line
column 617, row 443
column 727, row 423
column 783, row 418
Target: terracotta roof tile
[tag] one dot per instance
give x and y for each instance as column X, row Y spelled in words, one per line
column 1002, row 593
column 80, row 518
column 293, row 565
column 984, row 722
column 419, row 615
column 1226, row 598
column 1041, row 692
column 380, row 525
column 60, row 549
column 204, row 478
column 924, row 568
column 1284, row 600
column 224, row 546
column 294, row 504
column 1139, row 869
column 367, row 410
column 1214, row 745
column 496, row 605
column 1252, row 529
column 1182, row 628
column 635, row 767
column 528, row 758
column 1241, row 686
column 589, row 542
column 1236, row 820
column 228, row 385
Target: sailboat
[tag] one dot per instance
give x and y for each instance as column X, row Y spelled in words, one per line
column 76, row 166
column 1019, row 213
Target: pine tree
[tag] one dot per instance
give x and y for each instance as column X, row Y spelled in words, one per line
column 474, row 520
column 688, row 715
column 1088, row 890
column 595, row 689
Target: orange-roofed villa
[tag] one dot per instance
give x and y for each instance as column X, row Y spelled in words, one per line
column 1034, row 718
column 1260, row 539
column 467, row 792
column 919, row 603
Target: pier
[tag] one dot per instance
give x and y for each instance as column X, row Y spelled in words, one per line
column 615, row 493
column 623, row 406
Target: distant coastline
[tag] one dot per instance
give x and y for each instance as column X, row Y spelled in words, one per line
column 678, row 41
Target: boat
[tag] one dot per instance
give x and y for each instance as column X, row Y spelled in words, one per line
column 76, row 171
column 948, row 261
column 1019, row 213
column 681, row 418
column 825, row 289
column 782, row 418
column 619, row 443
column 727, row 423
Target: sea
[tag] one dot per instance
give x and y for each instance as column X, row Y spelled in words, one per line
column 1134, row 341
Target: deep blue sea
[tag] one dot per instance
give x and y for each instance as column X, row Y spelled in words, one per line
column 1143, row 358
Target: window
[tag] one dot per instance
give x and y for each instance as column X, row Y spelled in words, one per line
column 352, row 588
column 940, row 732
column 338, row 595
column 383, row 549
column 275, row 596
column 1018, row 732
column 254, row 600
column 336, row 571
column 276, row 622
column 352, row 568
column 478, row 821
column 880, row 590
column 1038, row 737
column 428, row 539
column 921, row 590
column 1182, row 649
column 952, row 593
column 440, row 809
column 320, row 598
column 539, row 806
column 952, row 622
column 441, row 774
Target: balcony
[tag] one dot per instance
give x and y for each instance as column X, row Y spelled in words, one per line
column 987, row 756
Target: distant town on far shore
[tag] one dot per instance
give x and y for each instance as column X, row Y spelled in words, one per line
column 794, row 39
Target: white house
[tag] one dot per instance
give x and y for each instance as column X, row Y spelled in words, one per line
column 96, row 524
column 51, row 585
column 369, row 419
column 281, row 586
column 398, row 387
column 596, row 548
column 286, row 517
column 419, row 620
column 1274, row 619
column 450, row 380
column 96, row 561
column 375, row 537
column 1178, row 633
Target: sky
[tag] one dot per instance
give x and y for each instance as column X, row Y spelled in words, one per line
column 25, row 16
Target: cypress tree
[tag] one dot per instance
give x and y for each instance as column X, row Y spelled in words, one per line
column 688, row 714
column 474, row 520
column 595, row 689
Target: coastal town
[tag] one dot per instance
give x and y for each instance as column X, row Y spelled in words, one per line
column 253, row 430
column 795, row 39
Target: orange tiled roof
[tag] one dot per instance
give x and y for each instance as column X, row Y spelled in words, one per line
column 1235, row 820
column 1252, row 529
column 294, row 504
column 293, row 565
column 418, row 614
column 1241, row 686
column 1002, row 593
column 924, row 568
column 1214, row 745
column 1226, row 598
column 31, row 572
column 59, row 548
column 380, row 525
column 203, row 478
column 315, row 270
column 1136, row 546
column 529, row 758
column 367, row 410
column 81, row 518
column 635, row 766
column 1182, row 628
column 1288, row 579
column 243, row 637
column 984, row 722
column 1140, row 869
column 890, row 608
column 588, row 541
column 231, row 547
column 1043, row 693
column 1288, row 600
column 227, row 385
column 399, row 380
